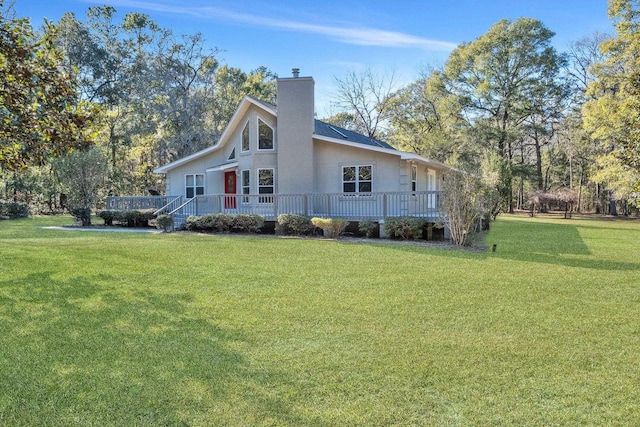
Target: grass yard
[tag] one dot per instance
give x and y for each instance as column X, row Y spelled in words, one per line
column 122, row 329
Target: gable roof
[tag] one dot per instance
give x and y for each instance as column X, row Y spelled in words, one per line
column 322, row 131
column 237, row 117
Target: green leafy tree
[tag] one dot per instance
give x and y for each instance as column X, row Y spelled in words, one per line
column 231, row 85
column 425, row 120
column 163, row 96
column 613, row 115
column 622, row 181
column 98, row 50
column 41, row 113
column 574, row 144
column 495, row 78
column 82, row 175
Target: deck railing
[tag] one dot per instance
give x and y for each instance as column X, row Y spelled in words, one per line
column 128, row 203
column 374, row 206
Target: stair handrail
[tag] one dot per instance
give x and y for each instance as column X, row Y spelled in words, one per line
column 166, row 207
column 179, row 208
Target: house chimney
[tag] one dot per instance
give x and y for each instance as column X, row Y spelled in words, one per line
column 295, row 126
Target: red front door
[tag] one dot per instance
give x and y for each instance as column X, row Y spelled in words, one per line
column 230, row 188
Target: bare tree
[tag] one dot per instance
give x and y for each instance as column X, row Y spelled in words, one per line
column 465, row 205
column 582, row 55
column 368, row 98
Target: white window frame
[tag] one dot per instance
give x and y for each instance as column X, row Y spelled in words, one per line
column 268, row 198
column 432, row 185
column 242, row 139
column 194, row 186
column 273, row 136
column 245, row 186
column 432, row 180
column 414, row 178
column 357, row 181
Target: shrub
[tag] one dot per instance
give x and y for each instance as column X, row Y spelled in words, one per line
column 465, row 203
column 108, row 216
column 130, row 218
column 332, row 227
column 224, row 223
column 82, row 215
column 368, row 227
column 164, row 222
column 294, row 224
column 404, row 227
column 205, row 223
column 247, row 223
column 13, row 209
column 193, row 223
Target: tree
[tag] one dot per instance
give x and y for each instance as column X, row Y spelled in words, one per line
column 613, row 115
column 464, row 204
column 97, row 50
column 342, row 120
column 547, row 105
column 82, row 175
column 495, row 77
column 425, row 119
column 582, row 56
column 622, row 181
column 41, row 112
column 368, row 98
column 163, row 96
column 574, row 143
column 231, row 85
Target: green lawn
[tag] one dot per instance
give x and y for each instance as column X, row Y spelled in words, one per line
column 173, row 329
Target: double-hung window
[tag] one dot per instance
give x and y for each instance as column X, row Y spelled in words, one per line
column 194, row 185
column 266, row 185
column 246, row 185
column 357, row 179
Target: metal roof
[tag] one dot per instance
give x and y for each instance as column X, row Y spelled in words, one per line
column 331, row 131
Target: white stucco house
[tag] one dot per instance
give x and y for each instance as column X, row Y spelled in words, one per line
column 274, row 159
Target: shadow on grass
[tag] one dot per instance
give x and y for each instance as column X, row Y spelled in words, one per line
column 95, row 351
column 527, row 241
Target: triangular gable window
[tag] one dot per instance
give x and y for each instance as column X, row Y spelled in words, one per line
column 245, row 137
column 265, row 136
column 232, row 156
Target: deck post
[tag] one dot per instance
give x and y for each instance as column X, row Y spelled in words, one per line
column 381, row 232
column 275, row 206
column 384, row 205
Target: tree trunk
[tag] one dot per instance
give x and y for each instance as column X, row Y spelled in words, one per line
column 612, row 206
column 521, row 194
column 579, row 207
column 541, row 186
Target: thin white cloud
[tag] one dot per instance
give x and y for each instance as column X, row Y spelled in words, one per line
column 356, row 35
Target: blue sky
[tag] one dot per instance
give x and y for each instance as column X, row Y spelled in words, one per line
column 328, row 38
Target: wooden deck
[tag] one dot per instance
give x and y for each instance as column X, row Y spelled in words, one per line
column 354, row 207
